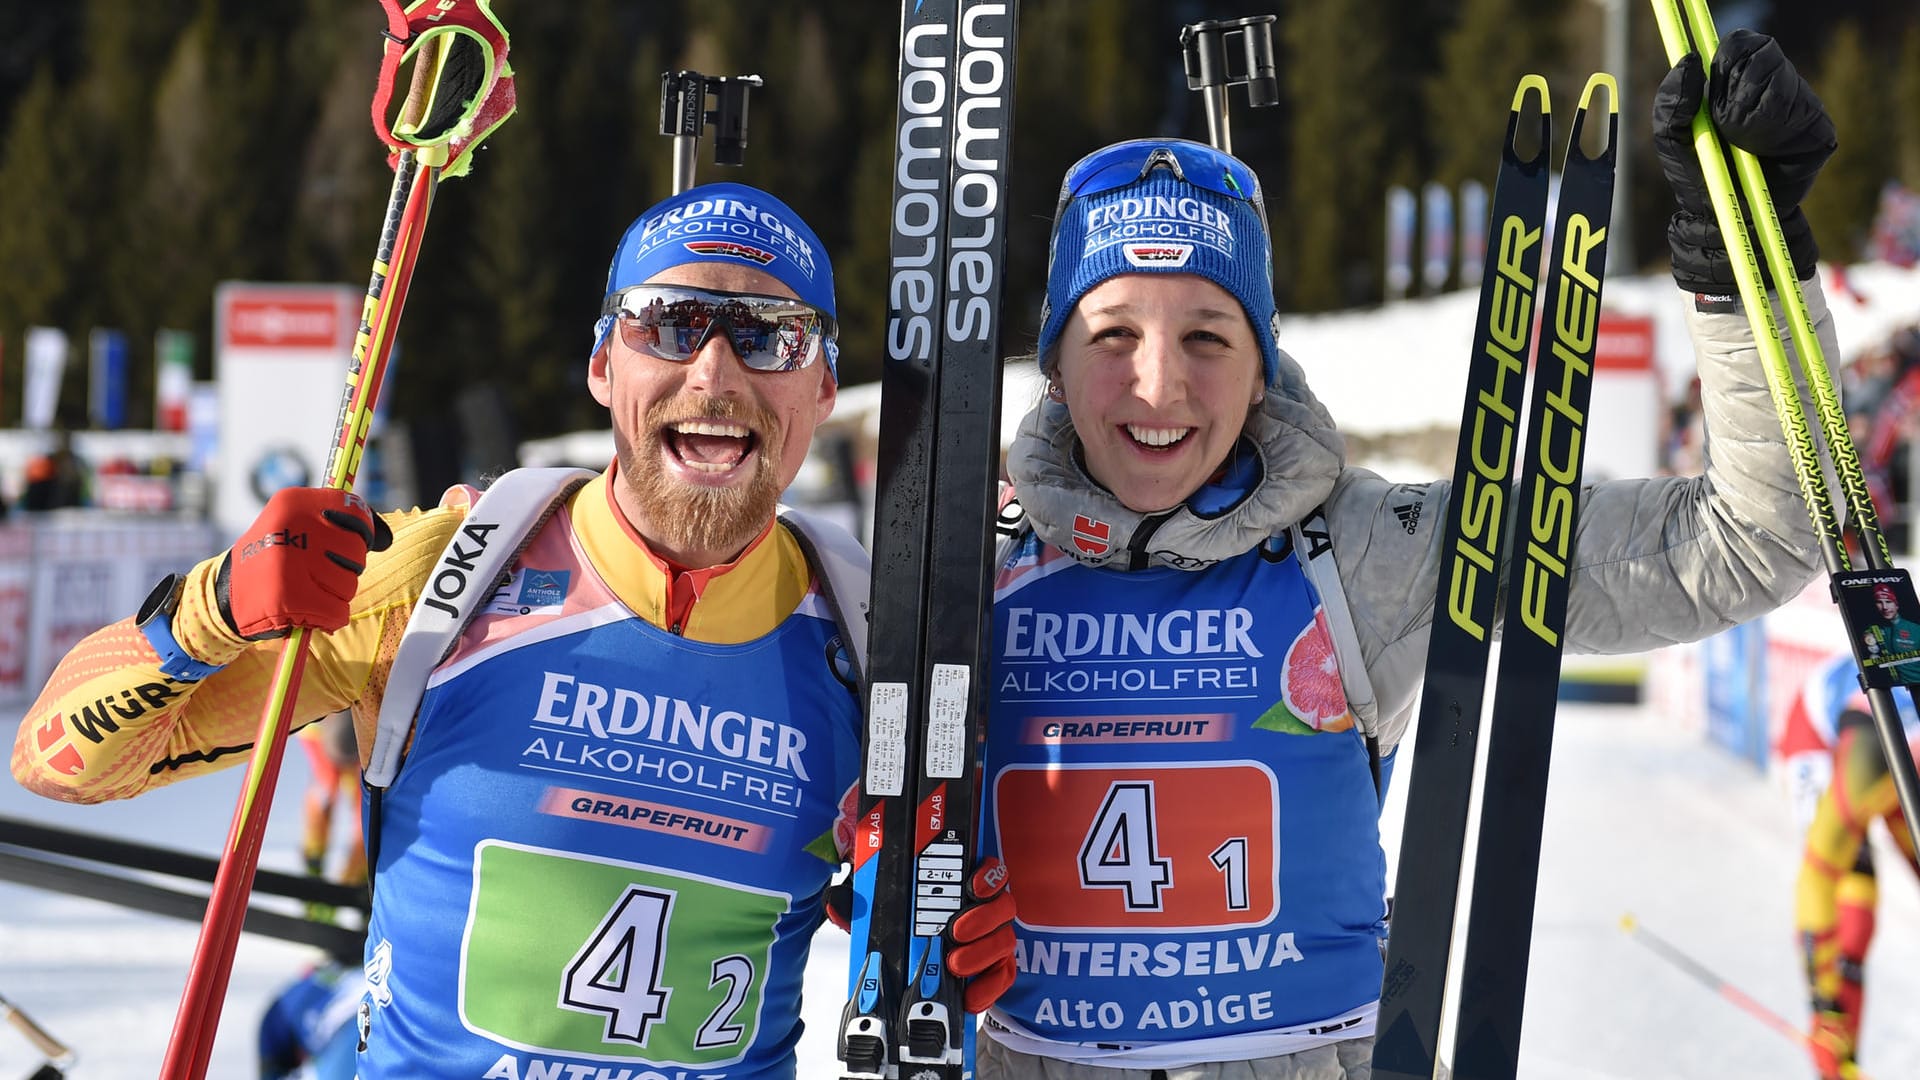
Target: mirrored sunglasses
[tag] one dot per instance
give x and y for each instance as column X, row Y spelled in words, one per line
column 769, row 333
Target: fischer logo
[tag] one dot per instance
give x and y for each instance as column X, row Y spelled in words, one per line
column 979, row 118
column 730, row 250
column 451, row 577
column 918, row 217
column 1555, row 495
column 1091, row 537
column 1157, row 256
column 1481, row 507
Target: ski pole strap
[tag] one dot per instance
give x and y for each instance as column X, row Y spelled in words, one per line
column 467, row 93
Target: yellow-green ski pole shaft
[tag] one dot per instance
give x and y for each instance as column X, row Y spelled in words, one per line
column 1680, row 38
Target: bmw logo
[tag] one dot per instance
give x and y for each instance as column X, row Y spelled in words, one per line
column 279, row 467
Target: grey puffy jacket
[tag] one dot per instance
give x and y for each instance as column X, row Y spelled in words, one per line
column 1657, row 560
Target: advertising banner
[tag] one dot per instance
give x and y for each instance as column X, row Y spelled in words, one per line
column 280, row 363
column 107, row 379
column 172, row 378
column 46, row 366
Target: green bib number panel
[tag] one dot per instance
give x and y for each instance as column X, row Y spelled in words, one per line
column 566, row 954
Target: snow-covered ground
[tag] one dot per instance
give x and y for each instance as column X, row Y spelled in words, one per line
column 1643, row 818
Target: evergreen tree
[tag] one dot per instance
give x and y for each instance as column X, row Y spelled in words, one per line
column 1468, row 100
column 37, row 234
column 1906, row 107
column 1337, row 67
column 862, row 265
column 1841, row 205
column 341, row 179
column 127, row 46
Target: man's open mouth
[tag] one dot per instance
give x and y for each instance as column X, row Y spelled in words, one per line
column 709, row 445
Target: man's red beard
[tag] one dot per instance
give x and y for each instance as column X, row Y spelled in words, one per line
column 692, row 517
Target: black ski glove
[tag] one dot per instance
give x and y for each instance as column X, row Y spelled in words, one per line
column 1760, row 104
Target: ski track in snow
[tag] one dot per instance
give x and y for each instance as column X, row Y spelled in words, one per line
column 1643, row 817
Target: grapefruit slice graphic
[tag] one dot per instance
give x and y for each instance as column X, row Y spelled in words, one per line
column 1311, row 697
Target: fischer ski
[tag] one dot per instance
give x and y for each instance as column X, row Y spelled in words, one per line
column 1446, row 738
column 1527, row 682
column 939, row 463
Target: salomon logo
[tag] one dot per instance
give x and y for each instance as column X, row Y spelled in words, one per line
column 1409, row 515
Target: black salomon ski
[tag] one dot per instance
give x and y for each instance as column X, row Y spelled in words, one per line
column 908, row 413
column 939, row 460
column 1493, row 984
column 1446, row 738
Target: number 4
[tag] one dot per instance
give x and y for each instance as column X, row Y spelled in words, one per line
column 617, row 972
column 1122, row 850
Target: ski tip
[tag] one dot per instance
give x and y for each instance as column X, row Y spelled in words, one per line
column 1531, row 81
column 1599, row 80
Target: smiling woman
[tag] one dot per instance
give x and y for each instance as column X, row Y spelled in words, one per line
column 1209, row 632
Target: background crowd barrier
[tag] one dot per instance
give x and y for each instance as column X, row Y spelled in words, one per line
column 64, row 575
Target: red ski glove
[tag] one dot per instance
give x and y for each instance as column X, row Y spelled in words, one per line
column 299, row 563
column 980, row 937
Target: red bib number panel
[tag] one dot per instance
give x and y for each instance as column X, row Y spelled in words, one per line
column 1141, row 847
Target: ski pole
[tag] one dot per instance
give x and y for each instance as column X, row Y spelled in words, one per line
column 1739, row 998
column 462, row 90
column 1213, row 67
column 683, row 115
column 59, row 1056
column 1694, row 31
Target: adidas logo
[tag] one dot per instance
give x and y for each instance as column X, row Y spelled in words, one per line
column 1409, row 515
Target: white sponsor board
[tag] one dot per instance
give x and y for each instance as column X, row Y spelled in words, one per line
column 280, row 361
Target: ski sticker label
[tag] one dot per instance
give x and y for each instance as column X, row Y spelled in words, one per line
column 887, row 739
column 947, row 720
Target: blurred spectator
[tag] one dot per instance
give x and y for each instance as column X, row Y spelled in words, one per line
column 309, row 1033
column 1685, row 452
column 1895, row 237
column 1894, row 421
column 55, row 480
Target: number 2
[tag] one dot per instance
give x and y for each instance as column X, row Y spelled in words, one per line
column 720, row 1030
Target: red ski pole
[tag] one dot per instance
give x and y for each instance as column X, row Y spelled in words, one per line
column 461, row 90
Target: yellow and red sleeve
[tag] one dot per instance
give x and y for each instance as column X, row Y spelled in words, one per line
column 108, row 725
